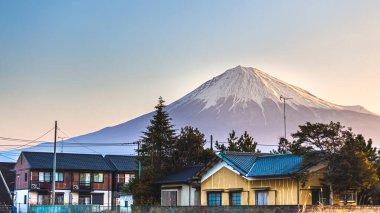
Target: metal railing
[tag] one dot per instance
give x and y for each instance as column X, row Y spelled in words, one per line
column 37, row 185
column 78, row 209
column 82, row 186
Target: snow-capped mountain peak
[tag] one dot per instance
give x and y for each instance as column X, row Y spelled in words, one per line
column 246, row 84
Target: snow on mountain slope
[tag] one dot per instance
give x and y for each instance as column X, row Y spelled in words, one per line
column 247, row 84
column 241, row 98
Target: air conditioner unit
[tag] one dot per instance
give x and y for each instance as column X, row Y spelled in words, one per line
column 75, row 187
column 34, row 186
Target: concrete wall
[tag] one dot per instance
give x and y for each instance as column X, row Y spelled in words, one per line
column 19, row 200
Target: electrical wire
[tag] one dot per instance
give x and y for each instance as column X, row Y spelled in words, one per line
column 35, row 139
column 13, row 159
column 71, row 138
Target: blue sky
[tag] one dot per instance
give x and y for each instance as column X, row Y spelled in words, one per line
column 92, row 64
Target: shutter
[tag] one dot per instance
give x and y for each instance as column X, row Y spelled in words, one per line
column 98, row 199
column 165, row 198
column 173, row 198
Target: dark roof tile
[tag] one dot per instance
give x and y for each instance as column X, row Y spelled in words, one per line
column 67, row 161
column 183, row 176
column 122, row 163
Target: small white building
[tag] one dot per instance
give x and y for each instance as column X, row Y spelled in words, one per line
column 181, row 189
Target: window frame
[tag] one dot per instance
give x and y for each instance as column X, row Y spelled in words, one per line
column 232, row 198
column 209, row 194
column 97, row 181
column 57, row 177
column 257, row 195
column 44, row 175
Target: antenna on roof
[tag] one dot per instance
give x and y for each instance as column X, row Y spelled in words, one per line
column 284, row 99
column 54, row 164
column 62, row 143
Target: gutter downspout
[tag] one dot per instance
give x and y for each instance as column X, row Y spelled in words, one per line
column 189, row 193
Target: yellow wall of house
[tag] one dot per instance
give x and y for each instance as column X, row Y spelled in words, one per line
column 313, row 182
column 225, row 180
column 282, row 191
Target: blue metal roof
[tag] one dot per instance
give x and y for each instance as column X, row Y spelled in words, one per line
column 276, row 165
column 263, row 165
column 241, row 162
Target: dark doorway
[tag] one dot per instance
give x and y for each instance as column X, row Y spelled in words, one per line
column 315, row 197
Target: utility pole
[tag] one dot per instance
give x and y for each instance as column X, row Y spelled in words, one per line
column 284, row 99
column 54, row 163
column 62, row 143
column 138, row 156
column 211, row 142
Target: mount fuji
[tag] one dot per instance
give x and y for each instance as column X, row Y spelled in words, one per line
column 241, row 99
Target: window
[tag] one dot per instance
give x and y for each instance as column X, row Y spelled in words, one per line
column 169, row 198
column 235, row 198
column 98, row 178
column 261, row 198
column 44, row 177
column 59, row 176
column 25, row 198
column 98, row 198
column 85, row 199
column 26, row 177
column 43, row 199
column 84, row 178
column 349, row 197
column 59, row 198
column 214, row 198
column 129, row 177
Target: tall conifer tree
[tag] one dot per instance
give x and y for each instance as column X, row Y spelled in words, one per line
column 157, row 149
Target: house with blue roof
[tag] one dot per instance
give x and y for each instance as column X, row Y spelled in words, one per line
column 263, row 179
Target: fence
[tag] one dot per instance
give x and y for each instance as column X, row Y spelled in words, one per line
column 78, row 209
column 7, row 208
column 258, row 209
column 200, row 209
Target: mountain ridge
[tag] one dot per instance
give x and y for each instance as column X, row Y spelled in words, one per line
column 241, row 99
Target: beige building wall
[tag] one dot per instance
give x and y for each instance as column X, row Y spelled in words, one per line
column 281, row 191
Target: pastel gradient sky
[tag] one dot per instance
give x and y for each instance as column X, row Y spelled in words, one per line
column 91, row 64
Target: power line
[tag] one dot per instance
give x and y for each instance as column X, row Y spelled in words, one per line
column 35, row 139
column 7, row 157
column 70, row 138
column 19, row 140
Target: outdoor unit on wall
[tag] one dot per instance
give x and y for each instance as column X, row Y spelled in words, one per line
column 34, row 186
column 75, row 187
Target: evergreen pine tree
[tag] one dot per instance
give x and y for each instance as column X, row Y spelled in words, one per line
column 156, row 155
column 243, row 144
column 190, row 148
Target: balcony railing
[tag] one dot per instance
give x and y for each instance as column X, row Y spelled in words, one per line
column 82, row 186
column 37, row 185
